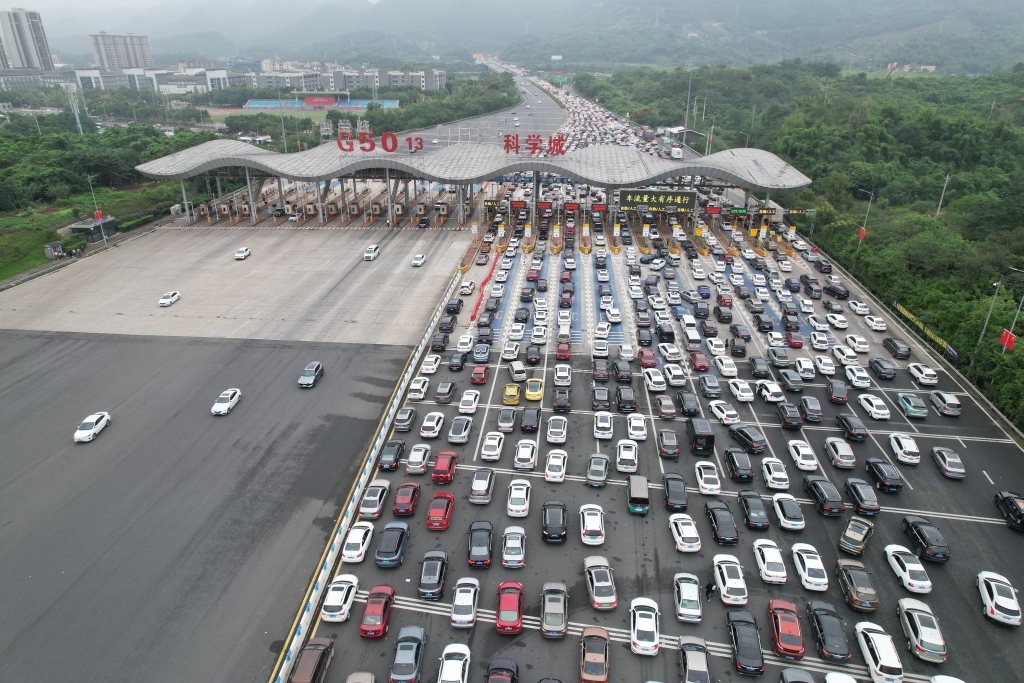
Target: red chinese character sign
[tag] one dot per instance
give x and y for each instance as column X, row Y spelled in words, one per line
column 534, row 144
column 511, row 143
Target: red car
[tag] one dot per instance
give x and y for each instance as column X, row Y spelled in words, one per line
column 795, row 340
column 566, row 276
column 480, row 374
column 647, row 359
column 444, row 467
column 724, row 300
column 405, row 499
column 532, row 275
column 787, row 641
column 374, row 623
column 699, row 361
column 562, row 352
column 439, row 514
column 509, row 614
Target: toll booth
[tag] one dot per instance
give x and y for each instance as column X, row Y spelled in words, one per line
column 243, row 209
column 310, row 211
column 444, row 207
column 224, row 211
column 94, row 230
column 332, row 209
column 421, row 209
column 354, row 210
column 378, row 209
column 204, row 210
column 399, row 209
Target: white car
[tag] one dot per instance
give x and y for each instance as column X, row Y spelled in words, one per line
column 613, row 315
column 809, row 567
column 513, row 547
column 874, row 406
column 554, row 469
column 626, row 352
column 736, row 279
column 747, row 253
column 859, row 307
column 805, row 368
column 685, row 533
column 455, row 658
column 492, row 445
column 858, row 343
column 516, row 331
column 506, row 263
column 430, row 364
column 497, row 291
column 169, row 298
column 654, row 380
column 541, row 304
column 91, row 426
column 540, row 316
column 226, row 401
column 662, row 317
column 715, row 346
column 656, row 302
column 602, row 275
column 787, row 509
column 741, row 391
column 607, row 301
column 526, row 455
column 719, row 266
column 636, row 292
column 908, row 569
column 729, row 579
column 467, row 287
column 340, row 596
column 858, row 377
column 356, row 542
column 644, row 632
column 501, row 276
column 825, row 365
column 467, row 595
column 724, row 412
column 707, row 478
column 762, row 293
column 591, row 524
column 921, row 628
column 558, row 428
column 817, row 323
column 419, row 457
column 726, row 366
column 602, row 330
column 844, row 355
column 563, row 375
column 518, row 498
column 999, row 598
column 636, row 427
column 469, row 402
column 905, row 448
column 698, row 274
column 819, row 341
column 770, row 391
column 418, row 388
column 465, row 344
column 539, row 335
column 686, row 591
column 432, row 424
column 784, row 296
column 603, row 425
column 242, row 254
column 879, row 653
column 674, row 374
column 875, row 323
column 670, row 352
column 600, row 348
column 837, row 321
column 569, row 263
column 626, row 456
column 769, row 561
column 923, row 374
column 803, row 455
column 758, row 280
column 785, row 266
column 657, row 264
column 806, row 306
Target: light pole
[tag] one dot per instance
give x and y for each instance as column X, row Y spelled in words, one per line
column 863, row 230
column 1017, row 314
column 985, row 326
column 103, row 231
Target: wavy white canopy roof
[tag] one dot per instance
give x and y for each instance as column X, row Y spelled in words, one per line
column 608, row 166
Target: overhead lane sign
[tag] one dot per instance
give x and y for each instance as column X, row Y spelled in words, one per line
column 657, row 200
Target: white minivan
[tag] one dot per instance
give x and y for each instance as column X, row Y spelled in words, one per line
column 372, row 252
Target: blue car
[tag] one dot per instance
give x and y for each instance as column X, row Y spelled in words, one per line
column 481, row 353
column 391, row 548
column 704, row 291
column 678, row 312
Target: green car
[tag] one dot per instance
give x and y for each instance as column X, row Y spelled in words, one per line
column 912, row 405
column 790, row 380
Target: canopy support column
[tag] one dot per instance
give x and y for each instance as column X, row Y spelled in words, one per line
column 252, row 203
column 184, row 200
column 387, row 191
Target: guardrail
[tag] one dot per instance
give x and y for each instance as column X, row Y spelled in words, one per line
column 329, row 559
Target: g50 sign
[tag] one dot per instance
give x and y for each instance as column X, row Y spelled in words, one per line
column 388, row 142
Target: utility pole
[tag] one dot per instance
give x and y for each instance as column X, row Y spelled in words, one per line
column 103, row 230
column 863, row 230
column 284, row 136
column 992, row 109
column 984, row 327
column 942, row 196
column 686, row 121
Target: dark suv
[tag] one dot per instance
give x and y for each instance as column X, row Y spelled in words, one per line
column 625, row 399
column 897, row 347
column 852, row 427
column 882, row 368
column 838, row 291
column 749, row 437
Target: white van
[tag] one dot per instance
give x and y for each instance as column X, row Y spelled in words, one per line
column 517, row 371
column 564, row 333
column 689, row 322
column 372, row 252
column 692, row 339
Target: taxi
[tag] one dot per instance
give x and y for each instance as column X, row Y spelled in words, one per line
column 510, row 397
column 535, row 389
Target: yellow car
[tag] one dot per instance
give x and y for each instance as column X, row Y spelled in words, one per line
column 534, row 390
column 510, row 397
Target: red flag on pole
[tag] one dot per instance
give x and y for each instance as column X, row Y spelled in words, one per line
column 862, row 233
column 1007, row 339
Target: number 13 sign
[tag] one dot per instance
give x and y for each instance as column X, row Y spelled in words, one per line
column 388, row 142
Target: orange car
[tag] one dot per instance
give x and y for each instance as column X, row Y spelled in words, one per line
column 595, row 652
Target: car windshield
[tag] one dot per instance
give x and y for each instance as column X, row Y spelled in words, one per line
column 223, row 399
column 85, row 426
column 308, row 372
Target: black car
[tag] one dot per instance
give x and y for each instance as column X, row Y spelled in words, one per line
column 754, row 512
column 897, row 347
column 448, row 323
column 926, row 540
column 827, row 627
column 853, row 428
column 740, row 331
column 602, row 398
column 763, row 323
column 643, row 319
column 485, row 319
column 826, row 498
column 458, row 361
column 526, row 294
column 737, row 347
column 708, row 328
column 531, row 420
column 434, row 567
column 810, row 409
column 791, row 381
column 885, row 475
column 1011, row 506
column 481, row 537
column 502, row 671
column 542, row 285
column 404, row 419
column 445, row 392
column 737, row 462
column 601, row 370
column 522, row 315
column 789, row 415
column 855, row 584
column 392, row 452
column 453, row 306
column 689, row 405
column 562, row 403
column 836, row 389
column 809, row 279
column 823, row 266
column 710, row 387
column 750, row 437
column 701, row 310
column 882, row 368
column 665, row 333
column 746, row 643
column 644, row 337
column 838, row 291
column 622, row 371
column 625, row 399
column 791, row 323
column 639, row 305
column 723, row 526
column 484, row 335
column 723, row 314
column 832, row 306
column 554, row 521
column 865, row 502
column 565, row 300
column 533, row 355
column 439, row 342
column 759, row 367
column 668, row 443
column 675, row 492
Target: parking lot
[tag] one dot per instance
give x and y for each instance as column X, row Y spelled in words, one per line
column 641, row 549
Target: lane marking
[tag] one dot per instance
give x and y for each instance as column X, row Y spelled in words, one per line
column 988, row 477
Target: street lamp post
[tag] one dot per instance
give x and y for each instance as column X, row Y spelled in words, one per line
column 747, row 143
column 985, row 326
column 863, row 230
column 103, row 231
